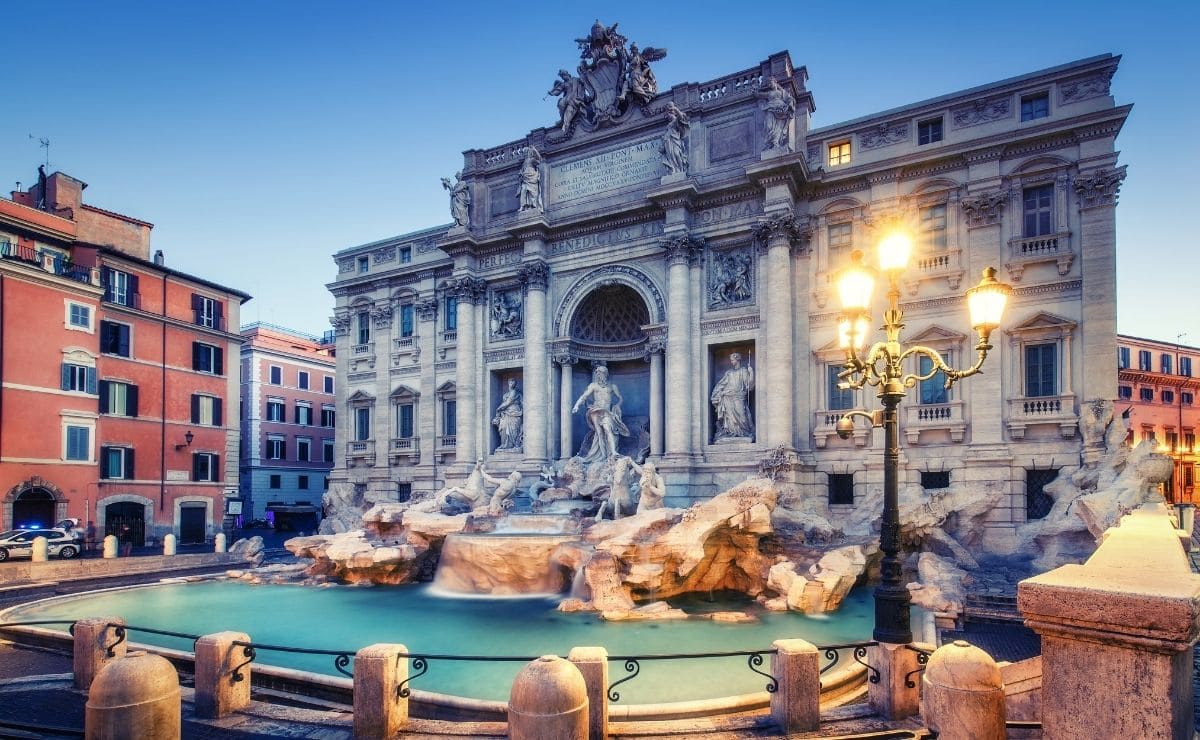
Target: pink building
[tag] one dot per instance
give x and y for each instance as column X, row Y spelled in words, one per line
column 287, row 422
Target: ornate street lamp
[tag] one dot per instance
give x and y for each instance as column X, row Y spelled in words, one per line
column 883, row 366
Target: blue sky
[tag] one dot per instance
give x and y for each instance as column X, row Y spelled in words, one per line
column 261, row 137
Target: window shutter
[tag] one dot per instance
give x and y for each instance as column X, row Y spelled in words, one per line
column 195, row 355
column 91, row 380
column 131, row 400
column 106, row 282
column 195, row 466
column 195, row 409
column 66, row 377
column 104, row 470
column 216, row 412
column 297, row 419
column 133, row 290
column 123, row 340
column 214, row 469
column 129, row 464
column 103, row 385
column 219, row 313
column 219, row 361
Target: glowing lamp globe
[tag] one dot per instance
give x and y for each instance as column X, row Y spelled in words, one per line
column 894, row 251
column 986, row 301
column 855, row 285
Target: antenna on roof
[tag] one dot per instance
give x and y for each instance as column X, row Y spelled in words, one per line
column 44, row 143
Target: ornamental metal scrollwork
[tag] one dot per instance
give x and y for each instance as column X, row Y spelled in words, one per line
column 422, row 667
column 633, row 668
column 755, row 660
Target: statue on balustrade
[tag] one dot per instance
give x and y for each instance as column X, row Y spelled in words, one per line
column 779, row 107
column 731, row 400
column 529, row 190
column 603, row 416
column 674, row 141
column 460, row 199
column 508, row 418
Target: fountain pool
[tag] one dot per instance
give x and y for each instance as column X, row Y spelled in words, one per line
column 346, row 618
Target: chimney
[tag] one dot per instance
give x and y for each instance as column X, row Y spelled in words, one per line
column 158, row 257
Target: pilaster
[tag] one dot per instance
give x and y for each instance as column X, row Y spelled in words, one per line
column 680, row 361
column 469, row 291
column 1097, row 192
column 776, row 234
column 985, row 241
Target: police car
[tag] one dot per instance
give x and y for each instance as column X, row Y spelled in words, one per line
column 18, row 543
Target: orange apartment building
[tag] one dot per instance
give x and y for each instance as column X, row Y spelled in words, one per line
column 117, row 373
column 1156, row 382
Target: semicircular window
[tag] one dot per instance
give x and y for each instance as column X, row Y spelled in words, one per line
column 613, row 314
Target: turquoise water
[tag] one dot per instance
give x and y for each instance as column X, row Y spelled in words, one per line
column 350, row 618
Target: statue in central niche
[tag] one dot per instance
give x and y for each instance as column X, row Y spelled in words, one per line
column 603, row 416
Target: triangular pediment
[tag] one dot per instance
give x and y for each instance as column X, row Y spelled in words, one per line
column 936, row 334
column 360, row 396
column 1043, row 320
column 404, row 393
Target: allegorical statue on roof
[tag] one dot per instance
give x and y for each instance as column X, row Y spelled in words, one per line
column 460, row 199
column 611, row 77
column 779, row 107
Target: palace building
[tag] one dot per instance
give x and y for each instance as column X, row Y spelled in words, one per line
column 686, row 239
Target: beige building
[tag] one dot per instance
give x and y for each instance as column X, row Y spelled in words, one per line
column 661, row 235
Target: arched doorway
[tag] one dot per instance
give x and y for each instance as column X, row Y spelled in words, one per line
column 126, row 514
column 33, row 509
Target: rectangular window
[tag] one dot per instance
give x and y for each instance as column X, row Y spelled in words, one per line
column 1035, row 106
column 120, row 287
column 1185, row 367
column 839, row 398
column 79, row 316
column 79, row 443
column 929, row 132
column 932, row 481
column 1037, row 502
column 327, row 450
column 208, row 359
column 79, row 378
column 933, row 390
column 116, row 463
column 275, row 375
column 275, row 481
column 302, row 380
column 1186, row 398
column 405, row 255
column 933, row 228
column 1172, row 440
column 303, row 449
column 114, row 338
column 1189, row 440
column 206, row 410
column 403, row 491
column 404, row 420
column 1041, row 370
column 329, row 384
column 302, row 482
column 276, row 410
column 451, row 313
column 304, row 415
column 206, row 312
column 364, row 327
column 450, row 418
column 362, row 423
column 1165, row 363
column 406, row 320
column 1168, row 397
column 1124, row 392
column 1122, row 358
column 1146, row 394
column 841, row 489
column 327, row 417
column 120, row 399
column 839, row 154
column 1038, row 210
column 1144, row 360
column 276, row 448
column 841, row 238
column 206, row 466
column 363, row 264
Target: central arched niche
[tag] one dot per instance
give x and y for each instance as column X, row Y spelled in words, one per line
column 606, row 329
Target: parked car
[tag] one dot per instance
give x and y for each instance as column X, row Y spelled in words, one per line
column 18, row 543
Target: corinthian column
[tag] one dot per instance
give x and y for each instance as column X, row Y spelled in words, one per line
column 469, row 291
column 776, row 235
column 680, row 363
column 537, row 369
column 565, row 362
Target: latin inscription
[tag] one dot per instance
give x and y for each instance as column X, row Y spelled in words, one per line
column 612, row 237
column 607, row 171
column 710, row 216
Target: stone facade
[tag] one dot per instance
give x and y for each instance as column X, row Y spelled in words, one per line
column 663, row 275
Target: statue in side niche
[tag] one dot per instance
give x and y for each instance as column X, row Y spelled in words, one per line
column 529, row 189
column 779, row 107
column 508, row 418
column 460, row 199
column 674, row 140
column 731, row 400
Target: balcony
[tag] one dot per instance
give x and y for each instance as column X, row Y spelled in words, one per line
column 935, row 265
column 403, row 344
column 360, row 453
column 1025, row 251
column 50, row 261
column 825, row 428
column 934, row 417
column 209, row 321
column 450, row 336
column 404, row 449
column 363, row 350
column 1044, row 411
column 446, row 446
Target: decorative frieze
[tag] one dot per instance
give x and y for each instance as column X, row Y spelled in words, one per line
column 506, row 314
column 885, row 134
column 984, row 209
column 730, row 278
column 381, row 315
column 1085, row 88
column 383, row 254
column 1099, row 188
column 748, row 322
column 346, row 265
column 446, row 366
column 535, row 275
column 982, row 111
column 426, row 309
column 513, row 354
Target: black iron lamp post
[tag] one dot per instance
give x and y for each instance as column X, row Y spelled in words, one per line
column 882, row 366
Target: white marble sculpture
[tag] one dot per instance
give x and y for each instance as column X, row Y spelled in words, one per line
column 471, row 495
column 505, row 319
column 460, row 199
column 529, row 189
column 731, row 399
column 651, row 488
column 779, row 107
column 603, row 416
column 674, row 141
column 508, row 418
column 569, row 90
column 620, row 500
column 502, row 497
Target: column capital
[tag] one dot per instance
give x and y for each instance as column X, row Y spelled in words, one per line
column 381, row 314
column 681, row 248
column 465, row 288
column 535, row 275
column 565, row 359
column 784, row 229
column 984, row 209
column 340, row 322
column 1099, row 188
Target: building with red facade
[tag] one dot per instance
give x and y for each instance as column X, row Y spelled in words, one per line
column 287, row 422
column 1157, row 385
column 115, row 379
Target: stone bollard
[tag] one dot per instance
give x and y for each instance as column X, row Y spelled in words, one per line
column 890, row 697
column 548, row 700
column 40, row 550
column 796, row 702
column 169, row 547
column 219, row 543
column 962, row 694
column 110, row 547
column 379, row 710
column 136, row 696
column 219, row 691
column 592, row 663
column 93, row 638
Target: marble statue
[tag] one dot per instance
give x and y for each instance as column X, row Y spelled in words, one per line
column 603, row 415
column 470, row 495
column 730, row 279
column 641, row 82
column 651, row 488
column 505, row 318
column 460, row 199
column 529, row 189
column 619, row 497
column 779, row 106
column 674, row 144
column 731, row 399
column 508, row 418
column 502, row 496
column 546, row 480
column 570, row 100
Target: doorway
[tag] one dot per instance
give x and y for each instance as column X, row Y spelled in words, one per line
column 191, row 523
column 34, row 509
column 124, row 514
